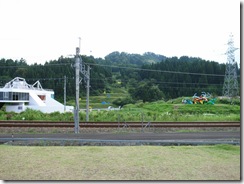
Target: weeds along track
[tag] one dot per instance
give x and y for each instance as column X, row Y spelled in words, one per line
column 63, row 124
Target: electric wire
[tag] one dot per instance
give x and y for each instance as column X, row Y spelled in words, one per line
column 151, row 70
column 122, row 67
column 125, row 67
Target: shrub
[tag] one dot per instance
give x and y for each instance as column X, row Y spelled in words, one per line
column 123, row 101
column 232, row 101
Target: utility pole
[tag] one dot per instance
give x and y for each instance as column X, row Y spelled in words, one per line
column 65, row 93
column 87, row 92
column 85, row 70
column 77, row 90
column 80, row 67
column 230, row 88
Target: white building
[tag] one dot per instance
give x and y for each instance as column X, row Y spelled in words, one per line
column 17, row 96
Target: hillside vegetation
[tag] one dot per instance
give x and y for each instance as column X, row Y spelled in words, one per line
column 145, row 86
column 148, row 77
column 174, row 110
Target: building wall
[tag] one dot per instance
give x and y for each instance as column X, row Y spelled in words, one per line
column 18, row 100
column 16, row 107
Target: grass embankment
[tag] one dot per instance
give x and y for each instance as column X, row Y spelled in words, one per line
column 98, row 101
column 172, row 110
column 148, row 112
column 161, row 111
column 220, row 162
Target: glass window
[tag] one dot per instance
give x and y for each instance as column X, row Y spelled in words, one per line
column 5, row 95
column 15, row 96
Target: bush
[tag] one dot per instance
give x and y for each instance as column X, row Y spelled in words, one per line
column 123, row 101
column 232, row 101
column 30, row 114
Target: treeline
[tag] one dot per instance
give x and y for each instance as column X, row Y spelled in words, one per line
column 52, row 75
column 185, row 76
column 147, row 77
column 168, row 78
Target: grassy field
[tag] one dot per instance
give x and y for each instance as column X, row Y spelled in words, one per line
column 220, row 162
column 96, row 101
column 171, row 110
column 156, row 111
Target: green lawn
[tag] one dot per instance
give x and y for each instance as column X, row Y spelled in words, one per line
column 220, row 162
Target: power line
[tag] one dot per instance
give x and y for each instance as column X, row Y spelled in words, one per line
column 182, row 83
column 122, row 67
column 151, row 70
column 208, row 88
column 26, row 66
column 98, row 79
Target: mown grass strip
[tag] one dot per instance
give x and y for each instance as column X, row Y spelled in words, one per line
column 220, row 162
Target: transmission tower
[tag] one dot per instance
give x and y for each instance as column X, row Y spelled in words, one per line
column 230, row 88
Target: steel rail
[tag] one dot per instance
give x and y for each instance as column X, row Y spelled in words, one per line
column 70, row 124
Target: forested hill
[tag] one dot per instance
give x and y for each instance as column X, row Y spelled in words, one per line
column 126, row 59
column 146, row 77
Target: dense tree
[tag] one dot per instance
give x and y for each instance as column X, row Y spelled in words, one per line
column 147, row 77
column 146, row 91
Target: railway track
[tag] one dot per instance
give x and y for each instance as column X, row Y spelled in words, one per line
column 117, row 124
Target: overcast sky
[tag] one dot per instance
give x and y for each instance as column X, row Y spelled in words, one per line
column 43, row 30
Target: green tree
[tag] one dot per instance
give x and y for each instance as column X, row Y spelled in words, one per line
column 147, row 92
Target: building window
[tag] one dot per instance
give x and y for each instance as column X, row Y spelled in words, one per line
column 5, row 95
column 42, row 97
column 15, row 96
